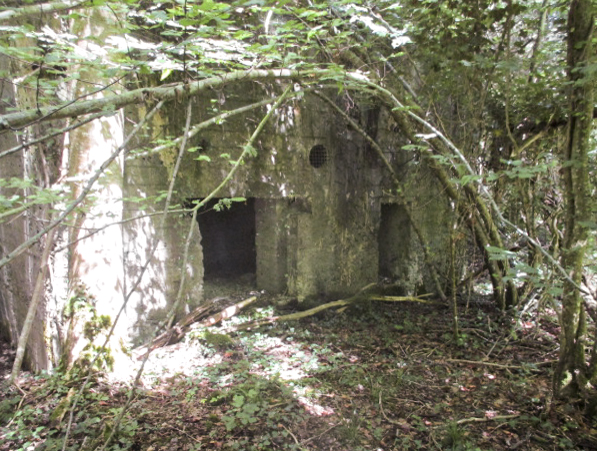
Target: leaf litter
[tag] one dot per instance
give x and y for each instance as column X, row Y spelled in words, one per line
column 373, row 377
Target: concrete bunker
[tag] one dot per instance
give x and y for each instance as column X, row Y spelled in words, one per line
column 320, row 220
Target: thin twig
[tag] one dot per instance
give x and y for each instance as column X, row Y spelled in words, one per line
column 384, row 414
column 51, row 135
column 18, row 407
column 317, row 436
column 293, row 436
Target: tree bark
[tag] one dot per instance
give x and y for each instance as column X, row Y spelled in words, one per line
column 571, row 365
column 38, row 293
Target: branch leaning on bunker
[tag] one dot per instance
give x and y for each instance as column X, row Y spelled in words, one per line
column 483, row 188
column 488, row 235
column 414, row 129
column 399, row 192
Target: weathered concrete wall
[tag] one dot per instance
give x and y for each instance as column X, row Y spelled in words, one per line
column 402, row 251
column 315, row 225
column 317, row 228
column 154, row 250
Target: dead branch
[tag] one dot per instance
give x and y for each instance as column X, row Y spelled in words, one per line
column 360, row 296
column 404, row 299
column 486, row 419
column 228, row 312
column 176, row 332
column 497, row 365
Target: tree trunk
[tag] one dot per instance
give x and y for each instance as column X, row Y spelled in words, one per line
column 571, row 366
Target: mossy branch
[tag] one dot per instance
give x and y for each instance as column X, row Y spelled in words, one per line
column 178, row 92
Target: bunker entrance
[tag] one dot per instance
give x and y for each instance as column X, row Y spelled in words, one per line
column 393, row 239
column 228, row 239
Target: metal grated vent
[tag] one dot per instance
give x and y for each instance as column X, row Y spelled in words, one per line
column 318, row 156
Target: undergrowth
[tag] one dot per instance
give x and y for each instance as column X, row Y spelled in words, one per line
column 388, row 378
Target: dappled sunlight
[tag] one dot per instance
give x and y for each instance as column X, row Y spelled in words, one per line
column 377, row 380
column 268, row 356
column 313, row 408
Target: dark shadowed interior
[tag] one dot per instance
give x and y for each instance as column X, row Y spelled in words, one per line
column 393, row 234
column 228, row 239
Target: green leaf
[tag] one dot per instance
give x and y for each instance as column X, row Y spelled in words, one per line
column 165, row 74
column 469, row 178
column 238, row 400
column 496, row 253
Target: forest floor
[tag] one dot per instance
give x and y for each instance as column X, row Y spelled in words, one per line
column 386, row 376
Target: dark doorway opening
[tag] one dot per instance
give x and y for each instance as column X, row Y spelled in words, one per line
column 228, row 239
column 393, row 239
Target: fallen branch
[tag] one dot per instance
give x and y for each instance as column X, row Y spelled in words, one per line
column 360, row 296
column 176, row 332
column 228, row 312
column 498, row 365
column 404, row 299
column 291, row 316
column 486, row 419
